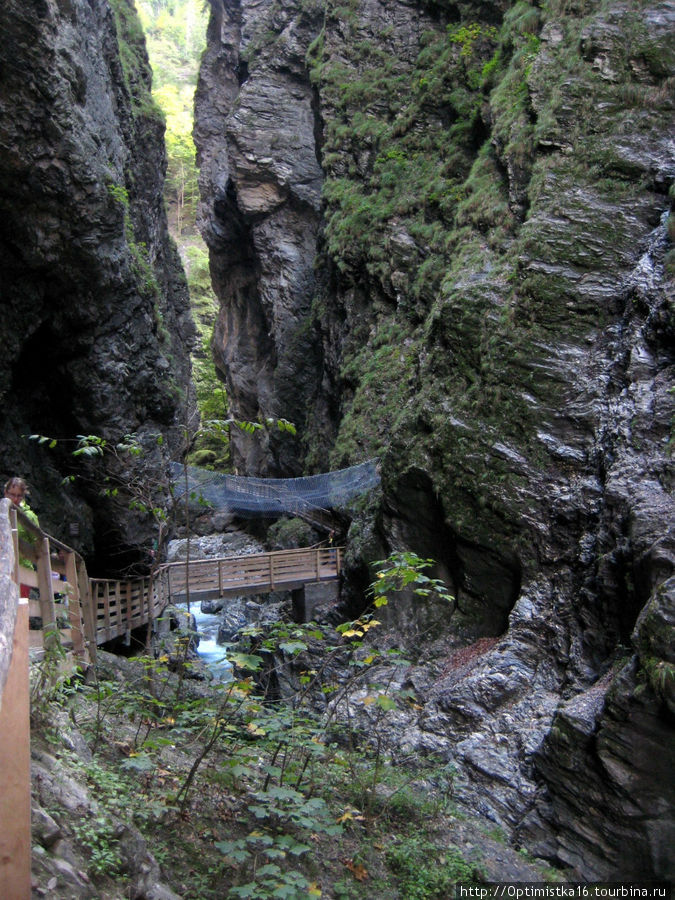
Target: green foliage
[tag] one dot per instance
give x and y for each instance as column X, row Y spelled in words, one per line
column 295, row 788
column 428, row 872
column 131, row 44
column 414, row 172
column 409, row 173
column 47, row 680
column 402, row 570
column 97, row 836
column 123, row 480
column 216, row 433
column 176, row 36
column 661, row 676
column 140, row 264
column 119, row 194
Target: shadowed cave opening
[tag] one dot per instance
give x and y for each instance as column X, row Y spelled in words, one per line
column 484, row 582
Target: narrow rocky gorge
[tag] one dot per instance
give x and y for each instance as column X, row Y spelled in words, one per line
column 468, row 209
column 442, row 235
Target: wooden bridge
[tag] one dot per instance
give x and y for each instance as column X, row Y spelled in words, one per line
column 68, row 607
column 84, row 612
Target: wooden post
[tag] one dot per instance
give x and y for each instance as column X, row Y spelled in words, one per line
column 126, row 588
column 271, row 571
column 46, row 588
column 15, row 846
column 318, row 565
column 75, row 616
column 106, row 609
column 149, row 595
column 146, row 601
column 89, row 609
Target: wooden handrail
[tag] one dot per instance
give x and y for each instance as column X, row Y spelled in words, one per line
column 15, row 847
column 95, row 610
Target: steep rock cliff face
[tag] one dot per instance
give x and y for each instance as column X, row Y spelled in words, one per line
column 490, row 278
column 96, row 326
column 260, row 172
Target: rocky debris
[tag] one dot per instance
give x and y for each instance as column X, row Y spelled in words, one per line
column 234, row 616
column 177, row 627
column 64, row 812
column 239, row 612
column 210, row 546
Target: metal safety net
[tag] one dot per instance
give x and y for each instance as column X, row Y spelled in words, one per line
column 250, row 497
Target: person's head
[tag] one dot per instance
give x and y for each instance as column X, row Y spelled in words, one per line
column 15, row 490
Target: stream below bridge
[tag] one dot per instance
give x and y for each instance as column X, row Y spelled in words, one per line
column 209, row 651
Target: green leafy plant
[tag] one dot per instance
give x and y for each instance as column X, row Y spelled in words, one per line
column 97, row 836
column 48, row 676
column 403, row 570
column 428, row 872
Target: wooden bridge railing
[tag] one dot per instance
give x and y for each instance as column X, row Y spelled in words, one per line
column 120, row 606
column 63, row 610
column 81, row 613
column 15, row 881
column 251, row 574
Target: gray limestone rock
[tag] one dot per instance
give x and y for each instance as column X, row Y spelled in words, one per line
column 96, row 317
column 521, row 403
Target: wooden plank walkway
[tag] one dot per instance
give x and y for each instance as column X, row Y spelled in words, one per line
column 259, row 573
column 82, row 613
column 120, row 606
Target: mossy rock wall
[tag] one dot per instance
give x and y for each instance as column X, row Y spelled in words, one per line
column 492, row 295
column 96, row 321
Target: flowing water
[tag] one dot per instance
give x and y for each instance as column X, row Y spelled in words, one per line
column 212, row 653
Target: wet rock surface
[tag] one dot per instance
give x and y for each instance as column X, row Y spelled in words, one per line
column 261, row 181
column 522, row 408
column 96, row 320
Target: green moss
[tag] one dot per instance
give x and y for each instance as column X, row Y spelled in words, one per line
column 381, row 377
column 287, row 534
column 660, row 675
column 134, row 60
column 487, row 158
column 404, row 171
column 484, row 199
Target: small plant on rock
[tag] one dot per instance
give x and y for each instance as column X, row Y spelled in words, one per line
column 403, row 570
